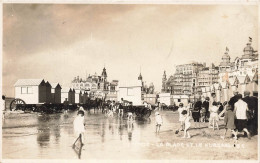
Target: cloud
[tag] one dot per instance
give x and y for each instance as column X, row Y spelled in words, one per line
column 58, row 42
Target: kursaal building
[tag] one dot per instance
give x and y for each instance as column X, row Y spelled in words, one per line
column 196, row 79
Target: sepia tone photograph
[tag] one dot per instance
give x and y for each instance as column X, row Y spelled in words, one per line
column 129, row 81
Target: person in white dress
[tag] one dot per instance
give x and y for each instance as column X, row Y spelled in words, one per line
column 186, row 123
column 213, row 118
column 181, row 117
column 158, row 121
column 79, row 127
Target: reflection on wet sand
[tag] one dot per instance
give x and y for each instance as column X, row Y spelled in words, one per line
column 43, row 136
column 130, row 127
column 78, row 150
column 55, row 135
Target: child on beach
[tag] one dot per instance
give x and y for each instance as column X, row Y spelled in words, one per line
column 130, row 112
column 158, row 121
column 214, row 115
column 229, row 122
column 79, row 127
column 186, row 124
column 196, row 117
column 202, row 115
column 181, row 117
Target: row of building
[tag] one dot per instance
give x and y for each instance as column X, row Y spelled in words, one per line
column 37, row 91
column 196, row 79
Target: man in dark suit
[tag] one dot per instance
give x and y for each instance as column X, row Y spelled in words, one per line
column 205, row 104
column 255, row 117
column 250, row 104
column 233, row 100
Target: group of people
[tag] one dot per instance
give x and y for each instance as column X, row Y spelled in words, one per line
column 113, row 107
column 118, row 108
column 239, row 114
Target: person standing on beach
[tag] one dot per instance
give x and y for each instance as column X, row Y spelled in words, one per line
column 158, row 121
column 205, row 105
column 252, row 109
column 233, row 100
column 121, row 109
column 181, row 117
column 196, row 113
column 186, row 123
column 214, row 116
column 3, row 107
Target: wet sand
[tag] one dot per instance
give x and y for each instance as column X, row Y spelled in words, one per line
column 35, row 136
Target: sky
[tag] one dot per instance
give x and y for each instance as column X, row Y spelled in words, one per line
column 57, row 42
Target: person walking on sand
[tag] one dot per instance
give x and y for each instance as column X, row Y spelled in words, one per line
column 158, row 121
column 79, row 127
column 229, row 122
column 186, row 123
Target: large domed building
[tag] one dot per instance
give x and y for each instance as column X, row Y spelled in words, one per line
column 225, row 64
column 242, row 66
column 248, row 52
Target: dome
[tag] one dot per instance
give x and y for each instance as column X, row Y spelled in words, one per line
column 226, row 56
column 248, row 47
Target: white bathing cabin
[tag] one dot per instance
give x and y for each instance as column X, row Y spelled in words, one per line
column 130, row 91
column 31, row 91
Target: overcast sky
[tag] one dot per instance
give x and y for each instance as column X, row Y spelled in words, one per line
column 59, row 42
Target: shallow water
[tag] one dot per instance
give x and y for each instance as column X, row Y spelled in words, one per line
column 36, row 136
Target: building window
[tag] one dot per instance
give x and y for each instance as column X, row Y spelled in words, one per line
column 130, row 92
column 26, row 90
column 179, row 100
column 29, row 90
